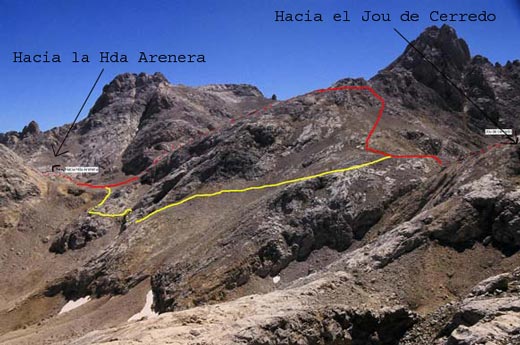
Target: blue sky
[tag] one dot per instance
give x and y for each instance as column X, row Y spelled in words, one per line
column 240, row 40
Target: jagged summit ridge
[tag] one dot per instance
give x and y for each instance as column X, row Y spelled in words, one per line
column 457, row 83
column 236, row 89
column 127, row 83
column 438, row 44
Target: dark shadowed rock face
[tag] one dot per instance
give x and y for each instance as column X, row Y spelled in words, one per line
column 31, row 129
column 506, row 225
column 124, row 86
column 444, row 49
column 333, row 326
column 439, row 45
column 78, row 234
column 173, row 115
column 166, row 284
column 176, row 114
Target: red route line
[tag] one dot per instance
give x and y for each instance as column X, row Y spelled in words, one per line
column 481, row 151
column 373, row 129
column 84, row 184
column 265, row 108
column 131, row 179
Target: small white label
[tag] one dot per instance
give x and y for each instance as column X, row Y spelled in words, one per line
column 81, row 170
column 497, row 131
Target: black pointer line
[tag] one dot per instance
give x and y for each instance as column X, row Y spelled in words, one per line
column 57, row 153
column 515, row 141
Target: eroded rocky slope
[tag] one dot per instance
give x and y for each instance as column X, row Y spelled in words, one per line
column 383, row 254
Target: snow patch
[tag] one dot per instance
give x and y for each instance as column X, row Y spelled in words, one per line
column 147, row 312
column 74, row 304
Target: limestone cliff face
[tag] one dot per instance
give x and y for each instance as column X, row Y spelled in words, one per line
column 18, row 184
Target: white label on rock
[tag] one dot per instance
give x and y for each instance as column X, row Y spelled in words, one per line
column 496, row 131
column 81, row 170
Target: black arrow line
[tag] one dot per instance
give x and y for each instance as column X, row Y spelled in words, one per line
column 514, row 141
column 516, row 136
column 57, row 153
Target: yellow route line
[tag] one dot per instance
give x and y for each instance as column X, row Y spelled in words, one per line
column 272, row 185
column 111, row 215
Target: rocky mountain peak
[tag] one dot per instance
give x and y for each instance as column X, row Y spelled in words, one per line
column 129, row 81
column 441, row 45
column 128, row 85
column 479, row 60
column 513, row 69
column 413, row 70
column 446, row 41
column 31, row 129
column 350, row 82
column 240, row 90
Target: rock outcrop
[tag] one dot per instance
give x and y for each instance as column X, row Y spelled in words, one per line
column 78, row 234
column 492, row 314
column 18, row 184
column 18, row 181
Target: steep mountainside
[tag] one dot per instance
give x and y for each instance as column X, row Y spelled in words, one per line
column 135, row 118
column 371, row 212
